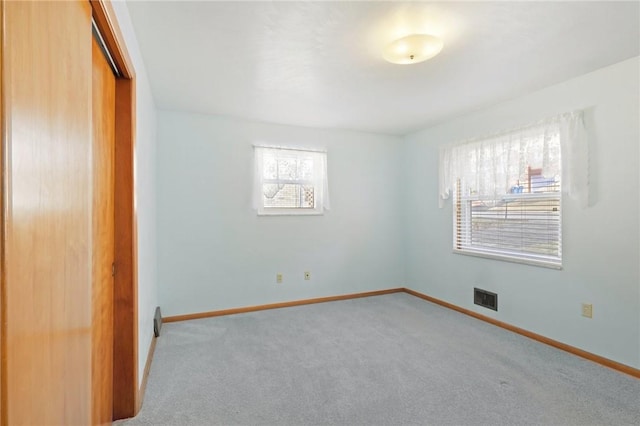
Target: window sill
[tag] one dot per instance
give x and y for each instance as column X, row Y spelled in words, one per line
column 290, row 212
column 512, row 259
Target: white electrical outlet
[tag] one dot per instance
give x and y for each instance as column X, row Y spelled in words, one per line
column 307, row 276
column 279, row 278
column 587, row 310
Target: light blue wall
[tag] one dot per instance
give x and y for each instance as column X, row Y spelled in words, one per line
column 216, row 253
column 600, row 244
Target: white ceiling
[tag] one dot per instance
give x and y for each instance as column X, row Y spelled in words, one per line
column 319, row 64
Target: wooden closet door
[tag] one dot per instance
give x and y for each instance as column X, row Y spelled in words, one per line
column 47, row 186
column 104, row 90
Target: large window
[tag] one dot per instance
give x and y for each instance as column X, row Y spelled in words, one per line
column 524, row 223
column 290, row 181
column 507, row 190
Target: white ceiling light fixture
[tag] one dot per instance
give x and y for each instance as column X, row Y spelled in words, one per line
column 412, row 49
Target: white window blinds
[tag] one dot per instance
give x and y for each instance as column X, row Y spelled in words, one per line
column 523, row 226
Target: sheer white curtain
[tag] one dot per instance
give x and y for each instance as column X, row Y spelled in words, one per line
column 494, row 165
column 315, row 173
column 258, row 173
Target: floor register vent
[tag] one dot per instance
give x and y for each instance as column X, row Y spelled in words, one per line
column 485, row 298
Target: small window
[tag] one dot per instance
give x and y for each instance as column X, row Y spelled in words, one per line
column 507, row 201
column 290, row 181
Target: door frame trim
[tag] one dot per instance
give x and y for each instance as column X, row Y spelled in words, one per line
column 3, row 138
column 126, row 393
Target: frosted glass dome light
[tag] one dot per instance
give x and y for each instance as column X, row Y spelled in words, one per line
column 412, row 49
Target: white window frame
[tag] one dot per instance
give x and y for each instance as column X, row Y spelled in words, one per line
column 319, row 181
column 463, row 241
column 480, row 162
